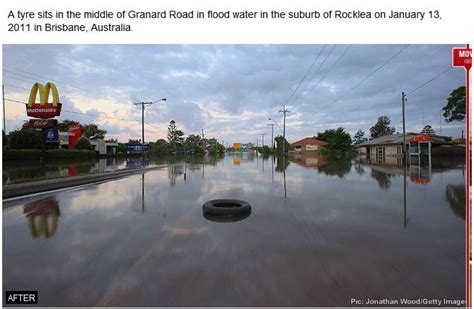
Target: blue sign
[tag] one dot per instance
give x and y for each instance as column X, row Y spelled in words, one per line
column 51, row 135
column 133, row 148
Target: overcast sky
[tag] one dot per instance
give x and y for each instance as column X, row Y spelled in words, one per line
column 230, row 91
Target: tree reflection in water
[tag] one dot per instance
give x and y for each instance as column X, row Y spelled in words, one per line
column 383, row 179
column 281, row 164
column 335, row 167
column 456, row 197
column 40, row 212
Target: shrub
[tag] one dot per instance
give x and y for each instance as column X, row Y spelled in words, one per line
column 83, row 144
column 25, row 139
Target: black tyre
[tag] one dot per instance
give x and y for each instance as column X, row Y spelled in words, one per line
column 226, row 207
column 225, row 218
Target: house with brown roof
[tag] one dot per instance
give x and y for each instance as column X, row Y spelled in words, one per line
column 308, row 145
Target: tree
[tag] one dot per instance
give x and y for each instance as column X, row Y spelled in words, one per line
column 62, row 126
column 4, row 140
column 25, row 139
column 83, row 144
column 279, row 141
column 174, row 135
column 134, row 141
column 92, row 131
column 193, row 139
column 427, row 130
column 455, row 109
column 339, row 142
column 381, row 128
column 359, row 137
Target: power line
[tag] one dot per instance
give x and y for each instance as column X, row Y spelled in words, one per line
column 380, row 67
column 429, row 81
column 81, row 113
column 306, row 74
column 42, row 76
column 301, row 95
column 309, row 80
column 327, row 72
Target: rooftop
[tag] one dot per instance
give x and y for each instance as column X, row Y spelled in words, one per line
column 310, row 141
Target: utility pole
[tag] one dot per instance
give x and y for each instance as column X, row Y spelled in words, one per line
column 284, row 111
column 440, row 122
column 403, row 125
column 143, row 104
column 203, row 143
column 263, row 140
column 3, row 98
column 273, row 144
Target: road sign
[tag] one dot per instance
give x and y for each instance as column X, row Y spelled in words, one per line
column 462, row 57
column 50, row 135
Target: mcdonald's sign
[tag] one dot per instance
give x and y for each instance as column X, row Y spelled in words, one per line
column 44, row 109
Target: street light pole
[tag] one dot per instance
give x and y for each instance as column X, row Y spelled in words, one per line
column 273, row 143
column 284, row 111
column 143, row 124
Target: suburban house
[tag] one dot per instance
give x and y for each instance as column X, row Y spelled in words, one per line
column 420, row 147
column 308, row 145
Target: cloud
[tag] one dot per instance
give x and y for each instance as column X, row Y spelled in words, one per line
column 232, row 90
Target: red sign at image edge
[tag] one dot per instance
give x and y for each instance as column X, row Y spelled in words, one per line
column 462, row 57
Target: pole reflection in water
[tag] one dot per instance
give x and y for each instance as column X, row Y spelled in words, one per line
column 405, row 219
column 43, row 210
column 273, row 172
column 143, row 192
column 203, row 158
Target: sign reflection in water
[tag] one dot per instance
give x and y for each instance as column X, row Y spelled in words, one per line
column 43, row 216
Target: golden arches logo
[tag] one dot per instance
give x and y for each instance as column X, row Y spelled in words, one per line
column 44, row 92
column 43, row 216
column 44, row 226
column 44, row 109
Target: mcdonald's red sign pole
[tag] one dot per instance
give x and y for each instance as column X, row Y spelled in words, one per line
column 462, row 57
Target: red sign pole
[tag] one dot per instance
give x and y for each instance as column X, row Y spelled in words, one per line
column 462, row 57
column 468, row 185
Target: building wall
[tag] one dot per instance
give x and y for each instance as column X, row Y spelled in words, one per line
column 307, row 148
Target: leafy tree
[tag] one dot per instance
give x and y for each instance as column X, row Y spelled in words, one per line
column 4, row 140
column 135, row 141
column 25, row 139
column 455, row 109
column 174, row 135
column 62, row 126
column 427, row 130
column 162, row 146
column 339, row 142
column 83, row 144
column 280, row 141
column 381, row 128
column 359, row 137
column 193, row 139
column 122, row 148
column 217, row 148
column 93, row 131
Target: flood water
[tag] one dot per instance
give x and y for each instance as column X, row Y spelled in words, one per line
column 320, row 233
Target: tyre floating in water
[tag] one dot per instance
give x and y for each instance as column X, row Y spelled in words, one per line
column 225, row 218
column 226, row 210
